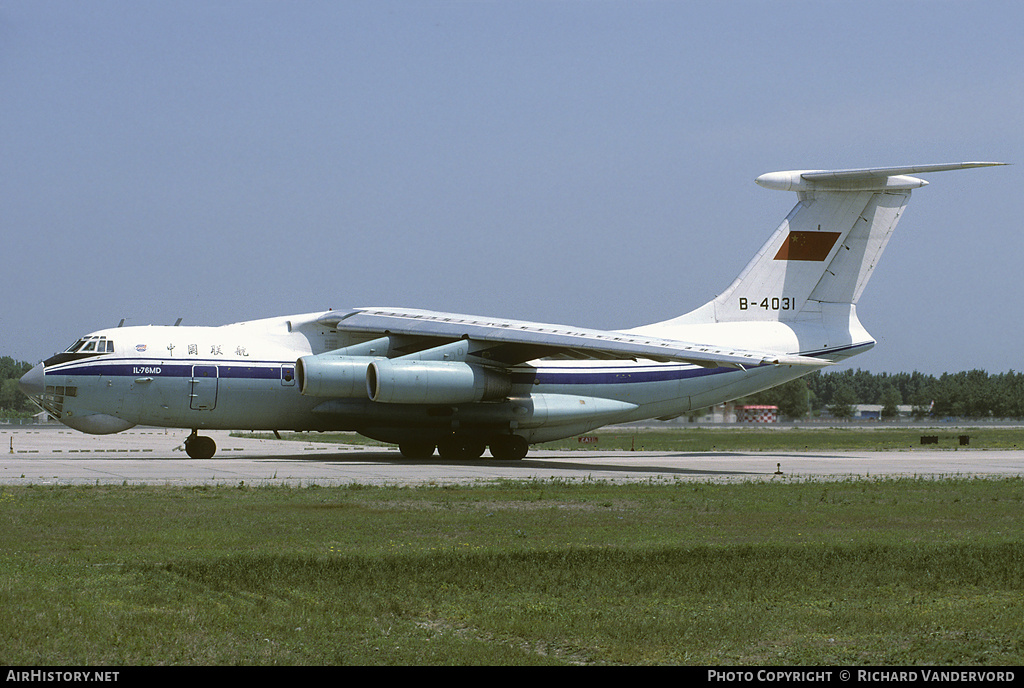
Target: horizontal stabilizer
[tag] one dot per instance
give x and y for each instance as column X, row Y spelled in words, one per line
column 874, row 178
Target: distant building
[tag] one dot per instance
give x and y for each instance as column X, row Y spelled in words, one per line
column 757, row 414
column 735, row 413
column 719, row 413
column 874, row 411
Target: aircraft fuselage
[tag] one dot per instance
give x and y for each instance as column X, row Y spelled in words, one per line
column 243, row 377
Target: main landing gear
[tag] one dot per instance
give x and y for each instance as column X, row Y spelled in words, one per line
column 459, row 448
column 509, row 447
column 200, row 447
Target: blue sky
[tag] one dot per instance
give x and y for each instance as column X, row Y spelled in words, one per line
column 576, row 162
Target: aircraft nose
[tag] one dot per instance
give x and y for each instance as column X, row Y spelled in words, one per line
column 33, row 383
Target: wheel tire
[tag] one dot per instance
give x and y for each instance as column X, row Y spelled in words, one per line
column 449, row 449
column 509, row 448
column 416, row 449
column 200, row 447
column 473, row 449
column 458, row 448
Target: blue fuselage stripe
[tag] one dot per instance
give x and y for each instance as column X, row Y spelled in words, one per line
column 272, row 370
column 266, row 371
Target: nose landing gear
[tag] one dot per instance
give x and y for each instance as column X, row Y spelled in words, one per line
column 200, row 447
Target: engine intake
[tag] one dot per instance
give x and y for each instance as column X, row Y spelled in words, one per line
column 433, row 382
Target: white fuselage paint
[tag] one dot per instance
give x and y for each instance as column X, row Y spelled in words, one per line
column 242, row 377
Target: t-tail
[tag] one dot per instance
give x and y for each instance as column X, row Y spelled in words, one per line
column 811, row 272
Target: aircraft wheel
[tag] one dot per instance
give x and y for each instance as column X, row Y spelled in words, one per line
column 416, row 449
column 200, row 447
column 509, row 448
column 460, row 448
column 473, row 449
column 449, row 449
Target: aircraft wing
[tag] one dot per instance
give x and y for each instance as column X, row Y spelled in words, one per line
column 517, row 341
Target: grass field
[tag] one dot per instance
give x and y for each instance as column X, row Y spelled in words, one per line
column 877, row 572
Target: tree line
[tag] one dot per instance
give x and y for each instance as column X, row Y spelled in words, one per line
column 972, row 394
column 12, row 402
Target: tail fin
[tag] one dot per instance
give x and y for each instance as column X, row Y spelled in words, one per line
column 824, row 252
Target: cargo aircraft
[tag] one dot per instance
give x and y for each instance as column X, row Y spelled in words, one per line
column 461, row 384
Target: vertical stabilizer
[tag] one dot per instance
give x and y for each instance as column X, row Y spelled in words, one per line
column 821, row 257
column 824, row 250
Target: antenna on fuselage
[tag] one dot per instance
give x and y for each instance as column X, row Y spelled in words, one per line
column 178, row 321
column 121, row 324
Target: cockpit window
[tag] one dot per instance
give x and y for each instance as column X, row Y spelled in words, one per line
column 91, row 345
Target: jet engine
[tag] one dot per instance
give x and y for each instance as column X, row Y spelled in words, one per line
column 395, row 381
column 332, row 376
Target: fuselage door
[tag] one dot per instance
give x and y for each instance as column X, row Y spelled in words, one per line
column 203, row 388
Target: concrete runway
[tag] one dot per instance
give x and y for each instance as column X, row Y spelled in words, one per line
column 60, row 456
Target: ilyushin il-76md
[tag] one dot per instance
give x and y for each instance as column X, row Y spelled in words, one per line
column 463, row 385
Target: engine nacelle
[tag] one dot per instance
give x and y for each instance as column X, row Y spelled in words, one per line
column 433, row 382
column 332, row 376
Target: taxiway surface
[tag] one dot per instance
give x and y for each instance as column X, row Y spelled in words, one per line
column 52, row 455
